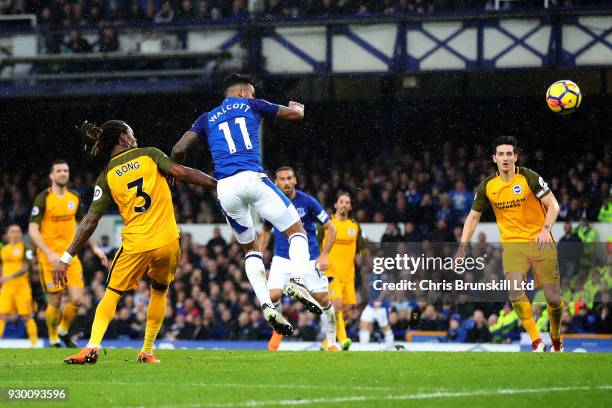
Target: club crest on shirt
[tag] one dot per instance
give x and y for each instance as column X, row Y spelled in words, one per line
column 351, row 231
column 71, row 205
column 301, row 212
column 517, row 189
column 16, row 251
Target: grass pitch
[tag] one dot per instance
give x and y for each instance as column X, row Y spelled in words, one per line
column 227, row 379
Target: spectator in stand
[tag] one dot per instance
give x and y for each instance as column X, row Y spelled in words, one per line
column 239, row 10
column 570, row 251
column 185, row 11
column 392, row 234
column 605, row 212
column 108, row 40
column 581, row 323
column 76, row 44
column 477, row 330
column 461, row 200
column 203, row 13
column 94, row 15
column 134, row 12
column 165, row 14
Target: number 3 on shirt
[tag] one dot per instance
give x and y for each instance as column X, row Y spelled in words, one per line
column 138, row 183
column 241, row 122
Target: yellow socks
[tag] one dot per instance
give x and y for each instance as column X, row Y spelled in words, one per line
column 340, row 327
column 32, row 331
column 523, row 309
column 104, row 314
column 554, row 314
column 155, row 317
column 2, row 325
column 68, row 315
column 53, row 319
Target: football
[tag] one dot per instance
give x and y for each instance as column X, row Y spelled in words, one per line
column 563, row 97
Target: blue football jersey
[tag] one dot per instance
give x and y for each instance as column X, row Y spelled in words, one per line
column 310, row 212
column 232, row 130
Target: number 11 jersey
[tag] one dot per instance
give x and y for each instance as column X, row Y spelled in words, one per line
column 232, row 130
column 134, row 180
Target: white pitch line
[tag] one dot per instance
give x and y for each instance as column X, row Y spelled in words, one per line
column 419, row 396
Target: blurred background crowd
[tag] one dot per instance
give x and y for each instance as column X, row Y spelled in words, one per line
column 430, row 194
column 71, row 13
column 111, row 16
column 422, row 199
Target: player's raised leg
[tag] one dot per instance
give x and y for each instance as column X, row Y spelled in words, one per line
column 236, row 209
column 275, row 207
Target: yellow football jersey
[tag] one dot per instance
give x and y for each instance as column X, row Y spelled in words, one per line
column 133, row 180
column 349, row 240
column 518, row 210
column 57, row 217
column 13, row 259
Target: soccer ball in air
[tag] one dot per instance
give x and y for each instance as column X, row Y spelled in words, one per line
column 563, row 97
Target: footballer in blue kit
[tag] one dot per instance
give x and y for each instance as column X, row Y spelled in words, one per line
column 311, row 213
column 232, row 132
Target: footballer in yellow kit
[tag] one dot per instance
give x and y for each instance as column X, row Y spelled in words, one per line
column 15, row 290
column 341, row 271
column 135, row 179
column 525, row 210
column 53, row 220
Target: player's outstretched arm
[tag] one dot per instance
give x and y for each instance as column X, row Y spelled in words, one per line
column 469, row 227
column 86, row 228
column 192, row 176
column 180, row 148
column 295, row 111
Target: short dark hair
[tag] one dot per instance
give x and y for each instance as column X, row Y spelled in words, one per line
column 57, row 161
column 506, row 140
column 284, row 168
column 236, row 79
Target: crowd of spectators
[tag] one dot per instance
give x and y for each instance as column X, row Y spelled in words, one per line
column 61, row 22
column 430, row 194
column 86, row 13
column 421, row 198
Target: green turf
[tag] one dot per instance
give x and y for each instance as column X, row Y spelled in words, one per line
column 317, row 379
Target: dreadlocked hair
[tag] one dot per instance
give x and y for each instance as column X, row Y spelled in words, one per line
column 102, row 138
